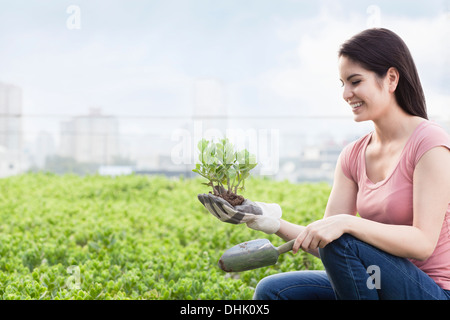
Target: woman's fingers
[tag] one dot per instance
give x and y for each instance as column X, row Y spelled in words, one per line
column 309, row 239
column 320, row 233
column 299, row 241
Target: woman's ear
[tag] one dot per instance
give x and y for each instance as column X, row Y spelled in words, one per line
column 392, row 77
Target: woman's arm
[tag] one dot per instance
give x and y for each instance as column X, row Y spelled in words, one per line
column 431, row 198
column 342, row 199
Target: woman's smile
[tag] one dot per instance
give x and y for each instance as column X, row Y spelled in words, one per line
column 356, row 105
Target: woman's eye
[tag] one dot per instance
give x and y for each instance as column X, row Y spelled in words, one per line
column 356, row 82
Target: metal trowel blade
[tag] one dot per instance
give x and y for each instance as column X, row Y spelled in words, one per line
column 249, row 255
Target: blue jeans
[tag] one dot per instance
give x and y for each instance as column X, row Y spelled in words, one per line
column 355, row 270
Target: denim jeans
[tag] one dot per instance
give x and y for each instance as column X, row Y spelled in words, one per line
column 354, row 270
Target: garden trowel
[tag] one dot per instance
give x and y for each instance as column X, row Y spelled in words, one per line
column 252, row 254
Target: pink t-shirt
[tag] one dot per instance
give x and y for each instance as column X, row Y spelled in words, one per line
column 390, row 201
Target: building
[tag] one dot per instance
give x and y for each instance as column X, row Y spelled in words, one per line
column 92, row 138
column 11, row 138
column 10, row 117
column 315, row 164
column 43, row 147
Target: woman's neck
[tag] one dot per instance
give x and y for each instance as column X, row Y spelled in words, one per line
column 397, row 125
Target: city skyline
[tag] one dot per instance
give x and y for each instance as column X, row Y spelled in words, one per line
column 267, row 65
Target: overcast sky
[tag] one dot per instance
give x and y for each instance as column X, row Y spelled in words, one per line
column 143, row 57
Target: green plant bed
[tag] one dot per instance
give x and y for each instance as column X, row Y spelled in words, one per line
column 133, row 237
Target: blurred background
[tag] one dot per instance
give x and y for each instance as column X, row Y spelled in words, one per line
column 114, row 87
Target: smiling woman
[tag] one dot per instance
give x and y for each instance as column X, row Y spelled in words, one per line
column 396, row 178
column 369, row 95
column 394, row 54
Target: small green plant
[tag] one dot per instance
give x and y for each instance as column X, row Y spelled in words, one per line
column 225, row 168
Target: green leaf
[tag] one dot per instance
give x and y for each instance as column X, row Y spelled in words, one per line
column 222, row 165
column 202, row 145
column 232, row 173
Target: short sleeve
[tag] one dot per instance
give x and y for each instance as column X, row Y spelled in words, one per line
column 345, row 162
column 429, row 137
column 350, row 158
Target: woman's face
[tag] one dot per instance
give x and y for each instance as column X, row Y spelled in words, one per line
column 364, row 91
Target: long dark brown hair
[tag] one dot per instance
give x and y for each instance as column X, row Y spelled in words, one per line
column 378, row 50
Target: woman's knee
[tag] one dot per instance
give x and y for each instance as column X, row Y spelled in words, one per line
column 335, row 249
column 264, row 289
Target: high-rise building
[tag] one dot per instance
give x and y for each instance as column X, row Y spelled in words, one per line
column 11, row 137
column 44, row 147
column 10, row 117
column 92, row 138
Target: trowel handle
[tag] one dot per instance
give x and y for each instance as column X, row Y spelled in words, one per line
column 286, row 247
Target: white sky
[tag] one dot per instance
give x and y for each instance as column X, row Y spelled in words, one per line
column 273, row 57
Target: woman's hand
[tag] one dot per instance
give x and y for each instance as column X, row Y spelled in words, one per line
column 321, row 232
column 256, row 215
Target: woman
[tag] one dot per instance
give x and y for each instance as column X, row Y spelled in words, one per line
column 397, row 178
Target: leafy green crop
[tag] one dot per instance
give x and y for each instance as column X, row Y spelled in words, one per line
column 132, row 237
column 223, row 166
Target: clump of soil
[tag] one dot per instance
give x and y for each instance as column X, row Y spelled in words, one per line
column 230, row 197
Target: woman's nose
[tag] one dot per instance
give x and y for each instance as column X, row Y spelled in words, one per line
column 347, row 94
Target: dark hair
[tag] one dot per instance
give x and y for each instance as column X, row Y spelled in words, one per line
column 378, row 50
